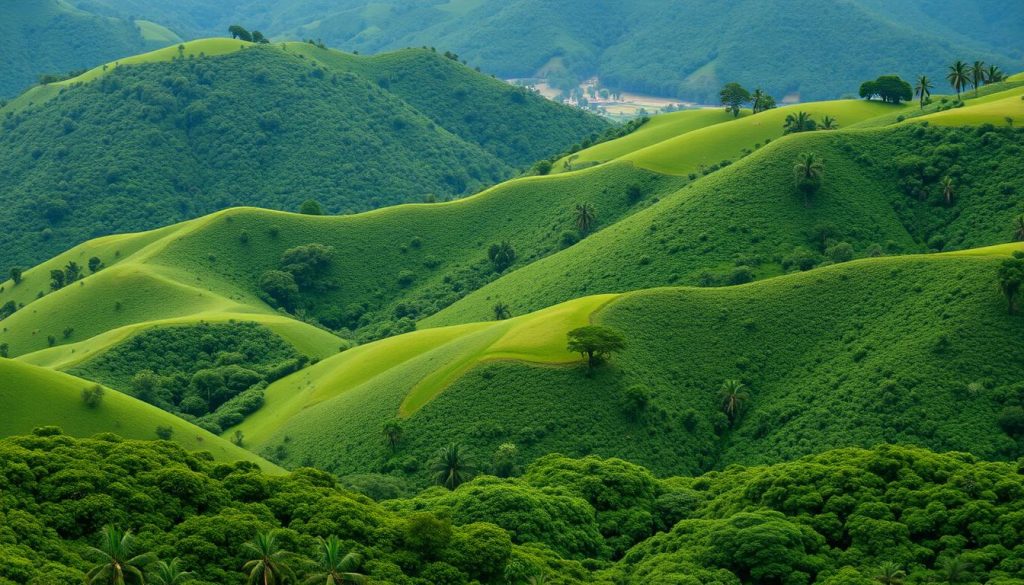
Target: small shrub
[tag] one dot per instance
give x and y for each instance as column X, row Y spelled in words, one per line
column 93, row 396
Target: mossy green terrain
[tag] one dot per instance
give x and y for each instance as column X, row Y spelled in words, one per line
column 35, row 396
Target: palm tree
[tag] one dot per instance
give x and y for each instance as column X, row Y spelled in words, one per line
column 947, row 189
column 169, row 573
column 808, row 173
column 118, row 563
column 733, row 395
column 501, row 311
column 977, row 75
column 799, row 122
column 829, row 123
column 890, row 574
column 755, row 99
column 336, row 566
column 993, row 74
column 1018, row 229
column 392, row 434
column 953, row 570
column 452, row 468
column 923, row 89
column 584, row 217
column 270, row 564
column 958, row 76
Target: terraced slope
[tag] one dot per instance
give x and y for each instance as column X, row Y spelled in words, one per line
column 190, row 129
column 35, row 397
column 915, row 349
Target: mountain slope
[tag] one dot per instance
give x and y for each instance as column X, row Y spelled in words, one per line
column 687, row 48
column 160, row 141
column 40, row 37
column 35, row 397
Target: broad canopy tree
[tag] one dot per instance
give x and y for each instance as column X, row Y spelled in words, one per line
column 733, row 97
column 889, row 88
column 596, row 343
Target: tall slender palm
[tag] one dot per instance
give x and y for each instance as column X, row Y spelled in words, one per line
column 977, row 75
column 993, row 74
column 336, row 566
column 733, row 395
column 119, row 565
column 270, row 564
column 756, row 99
column 923, row 89
column 947, row 189
column 171, row 573
column 585, row 216
column 890, row 573
column 452, row 468
column 958, row 76
column 808, row 172
column 1018, row 229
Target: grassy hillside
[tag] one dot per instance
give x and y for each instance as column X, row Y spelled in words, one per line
column 682, row 48
column 916, row 349
column 880, row 195
column 182, row 132
column 40, row 37
column 35, row 397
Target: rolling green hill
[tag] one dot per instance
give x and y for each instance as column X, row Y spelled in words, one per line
column 181, row 132
column 816, row 50
column 40, row 37
column 914, row 349
column 35, row 397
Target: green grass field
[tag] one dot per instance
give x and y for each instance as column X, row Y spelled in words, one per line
column 34, row 397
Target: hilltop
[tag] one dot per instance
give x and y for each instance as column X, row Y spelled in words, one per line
column 191, row 129
column 680, row 48
column 54, row 37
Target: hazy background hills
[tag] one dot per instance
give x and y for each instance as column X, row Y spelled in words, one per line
column 682, row 48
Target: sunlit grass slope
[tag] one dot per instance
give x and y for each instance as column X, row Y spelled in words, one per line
column 749, row 215
column 1004, row 109
column 34, row 397
column 660, row 128
column 854, row 354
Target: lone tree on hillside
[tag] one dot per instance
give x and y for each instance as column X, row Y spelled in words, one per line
column 16, row 273
column 596, row 343
column 501, row 255
column 501, row 311
column 733, row 97
column 118, row 563
column 923, row 89
column 452, row 468
column 808, row 173
column 733, row 395
column 799, row 122
column 890, row 88
column 1011, row 278
column 238, row 32
column 585, row 217
column 393, row 434
column 93, row 395
column 958, row 76
column 95, row 264
column 311, row 207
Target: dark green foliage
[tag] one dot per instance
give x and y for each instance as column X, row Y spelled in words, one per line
column 888, row 88
column 311, row 207
column 501, row 255
column 1011, row 279
column 213, row 371
column 733, row 96
column 93, row 396
column 452, row 468
column 15, row 274
column 237, row 32
column 596, row 343
column 157, row 143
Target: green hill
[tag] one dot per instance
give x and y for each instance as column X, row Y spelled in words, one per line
column 39, row 37
column 915, row 349
column 683, row 48
column 36, row 397
column 180, row 133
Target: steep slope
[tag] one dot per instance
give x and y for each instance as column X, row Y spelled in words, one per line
column 915, row 349
column 687, row 48
column 178, row 134
column 35, row 397
column 40, row 37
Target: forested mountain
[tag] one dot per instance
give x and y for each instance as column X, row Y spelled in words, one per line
column 162, row 141
column 684, row 48
column 40, row 37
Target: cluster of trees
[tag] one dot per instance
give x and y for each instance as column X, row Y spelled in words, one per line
column 734, row 96
column 960, row 75
column 212, row 374
column 889, row 88
column 239, row 32
column 888, row 514
column 302, row 270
